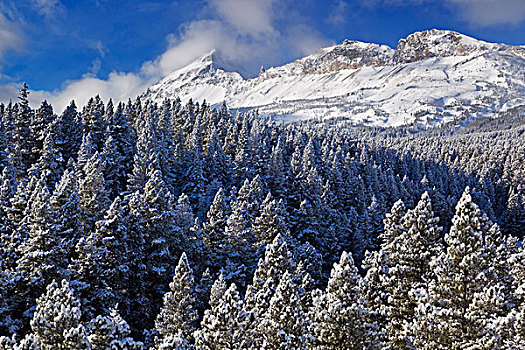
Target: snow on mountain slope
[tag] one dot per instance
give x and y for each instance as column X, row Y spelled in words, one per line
column 432, row 76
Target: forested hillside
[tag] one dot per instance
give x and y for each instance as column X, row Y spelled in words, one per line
column 177, row 226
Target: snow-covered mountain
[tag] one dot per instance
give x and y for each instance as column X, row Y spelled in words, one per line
column 433, row 76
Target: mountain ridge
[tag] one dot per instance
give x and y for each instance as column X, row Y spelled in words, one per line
column 436, row 74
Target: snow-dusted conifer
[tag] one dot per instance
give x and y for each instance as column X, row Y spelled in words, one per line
column 338, row 317
column 111, row 332
column 271, row 220
column 223, row 325
column 284, row 325
column 57, row 312
column 214, row 228
column 93, row 193
column 460, row 306
column 178, row 315
column 408, row 260
column 41, row 255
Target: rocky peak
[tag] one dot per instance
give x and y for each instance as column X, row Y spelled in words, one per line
column 346, row 55
column 436, row 43
column 357, row 54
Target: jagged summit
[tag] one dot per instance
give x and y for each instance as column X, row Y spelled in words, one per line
column 347, row 55
column 437, row 43
column 216, row 60
column 431, row 77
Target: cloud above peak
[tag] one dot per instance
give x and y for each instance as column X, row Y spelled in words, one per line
column 486, row 13
column 248, row 33
column 250, row 17
column 480, row 13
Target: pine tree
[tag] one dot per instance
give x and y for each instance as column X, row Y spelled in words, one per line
column 214, row 228
column 146, row 159
column 217, row 164
column 50, row 160
column 217, row 291
column 41, row 255
column 223, row 325
column 106, row 264
column 76, row 338
column 409, row 252
column 517, row 315
column 284, row 326
column 65, row 203
column 93, row 194
column 459, row 307
column 277, row 260
column 194, row 176
column 153, row 214
column 111, row 332
column 271, row 221
column 40, row 123
column 87, row 150
column 10, row 323
column 240, row 235
column 68, row 132
column 178, row 316
column 7, row 192
column 22, row 138
column 118, row 151
column 372, row 293
column 94, row 123
column 57, row 312
column 338, row 315
column 16, row 223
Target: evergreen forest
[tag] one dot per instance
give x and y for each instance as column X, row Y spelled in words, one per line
column 144, row 225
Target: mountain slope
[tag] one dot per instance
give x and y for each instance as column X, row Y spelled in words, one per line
column 432, row 76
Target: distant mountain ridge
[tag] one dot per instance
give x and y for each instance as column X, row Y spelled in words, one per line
column 431, row 77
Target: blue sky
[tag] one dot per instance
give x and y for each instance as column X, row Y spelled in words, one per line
column 67, row 49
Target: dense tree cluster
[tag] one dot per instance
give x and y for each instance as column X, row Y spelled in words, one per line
column 178, row 226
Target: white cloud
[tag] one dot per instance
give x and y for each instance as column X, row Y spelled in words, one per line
column 244, row 31
column 10, row 36
column 251, row 17
column 339, row 13
column 491, row 12
column 49, row 8
column 482, row 13
column 99, row 47
column 303, row 40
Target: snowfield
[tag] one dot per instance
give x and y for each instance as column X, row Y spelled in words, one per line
column 432, row 77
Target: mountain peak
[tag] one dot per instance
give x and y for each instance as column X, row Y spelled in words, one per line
column 349, row 54
column 216, row 60
column 436, row 43
column 433, row 75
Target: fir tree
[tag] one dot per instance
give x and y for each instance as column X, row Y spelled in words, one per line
column 40, row 123
column 68, row 132
column 178, row 316
column 22, row 138
column 338, row 315
column 57, row 312
column 41, row 255
column 214, row 228
column 94, row 123
column 111, row 332
column 223, row 326
column 92, row 192
column 284, row 326
column 409, row 252
column 458, row 309
column 271, row 221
